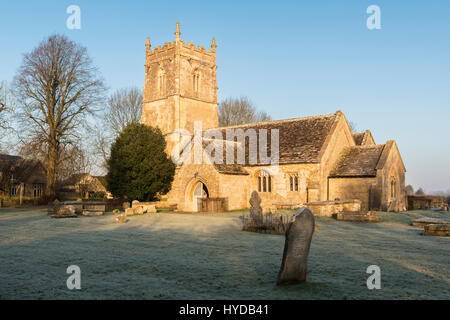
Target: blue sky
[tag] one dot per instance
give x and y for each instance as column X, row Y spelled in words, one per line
column 291, row 58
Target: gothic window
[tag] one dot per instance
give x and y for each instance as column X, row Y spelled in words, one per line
column 393, row 187
column 37, row 190
column 14, row 191
column 161, row 82
column 293, row 182
column 196, row 81
column 264, row 182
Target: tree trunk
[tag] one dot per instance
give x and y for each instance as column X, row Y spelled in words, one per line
column 50, row 189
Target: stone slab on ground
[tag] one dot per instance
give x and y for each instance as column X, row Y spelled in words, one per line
column 94, row 207
column 426, row 221
column 89, row 213
column 442, row 230
column 61, row 216
column 370, row 216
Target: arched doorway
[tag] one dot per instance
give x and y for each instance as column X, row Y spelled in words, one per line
column 200, row 191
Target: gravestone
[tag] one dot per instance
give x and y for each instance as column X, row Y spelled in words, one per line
column 116, row 211
column 126, row 205
column 296, row 247
column 255, row 208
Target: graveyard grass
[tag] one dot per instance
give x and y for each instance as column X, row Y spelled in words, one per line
column 186, row 256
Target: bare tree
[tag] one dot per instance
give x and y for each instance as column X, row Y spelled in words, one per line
column 353, row 127
column 6, row 105
column 56, row 86
column 2, row 96
column 235, row 111
column 124, row 107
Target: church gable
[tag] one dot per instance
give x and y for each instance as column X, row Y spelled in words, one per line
column 364, row 138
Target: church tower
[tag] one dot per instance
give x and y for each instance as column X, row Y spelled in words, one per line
column 180, row 86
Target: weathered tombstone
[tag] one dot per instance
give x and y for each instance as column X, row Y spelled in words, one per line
column 116, row 211
column 255, row 208
column 296, row 247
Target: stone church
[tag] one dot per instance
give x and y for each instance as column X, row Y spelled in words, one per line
column 319, row 159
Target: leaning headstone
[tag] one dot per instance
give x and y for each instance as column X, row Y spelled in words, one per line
column 256, row 212
column 296, row 247
column 116, row 211
column 126, row 205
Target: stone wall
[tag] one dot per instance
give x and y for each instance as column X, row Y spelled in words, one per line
column 352, row 188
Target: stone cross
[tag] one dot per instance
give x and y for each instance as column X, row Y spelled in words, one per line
column 296, row 247
column 255, row 208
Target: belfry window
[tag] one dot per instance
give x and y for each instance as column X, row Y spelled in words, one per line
column 196, row 81
column 264, row 182
column 161, row 82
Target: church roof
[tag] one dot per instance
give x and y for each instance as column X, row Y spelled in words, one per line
column 358, row 138
column 300, row 140
column 358, row 161
column 24, row 170
column 363, row 138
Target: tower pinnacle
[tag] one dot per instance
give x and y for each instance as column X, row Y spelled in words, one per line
column 213, row 45
column 147, row 44
column 177, row 31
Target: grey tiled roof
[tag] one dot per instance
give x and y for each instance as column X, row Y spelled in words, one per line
column 358, row 161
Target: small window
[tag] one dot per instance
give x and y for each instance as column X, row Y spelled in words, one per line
column 37, row 190
column 393, row 187
column 196, row 81
column 14, row 191
column 161, row 82
column 293, row 182
column 264, row 182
